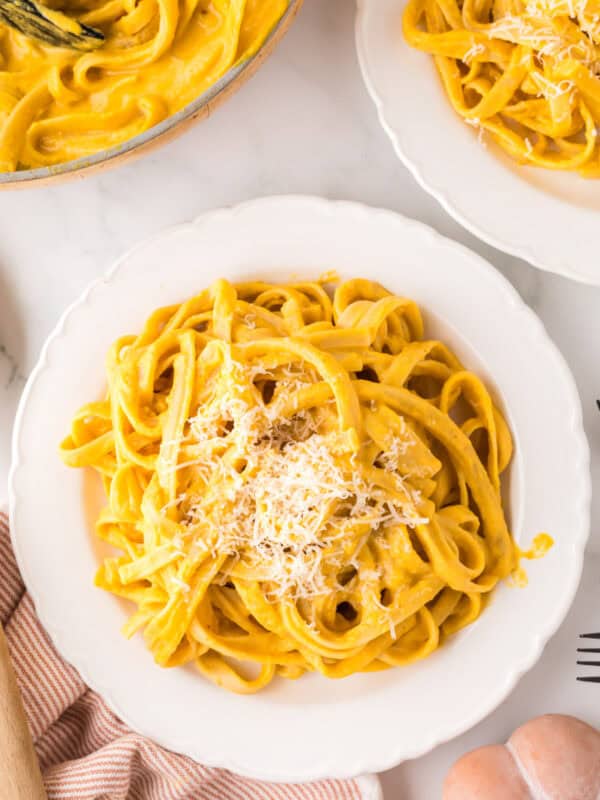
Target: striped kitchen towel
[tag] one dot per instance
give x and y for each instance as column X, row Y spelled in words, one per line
column 87, row 753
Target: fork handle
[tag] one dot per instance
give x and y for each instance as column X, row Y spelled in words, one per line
column 20, row 776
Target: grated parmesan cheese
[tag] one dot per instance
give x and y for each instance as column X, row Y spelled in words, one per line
column 473, row 51
column 281, row 497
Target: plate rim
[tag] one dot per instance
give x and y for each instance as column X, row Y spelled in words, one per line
column 527, row 252
column 581, row 507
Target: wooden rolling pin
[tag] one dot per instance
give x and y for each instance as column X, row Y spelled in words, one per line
column 20, row 777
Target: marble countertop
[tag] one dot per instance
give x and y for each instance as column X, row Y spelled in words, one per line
column 304, row 124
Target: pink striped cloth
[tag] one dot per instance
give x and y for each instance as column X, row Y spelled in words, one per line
column 87, row 753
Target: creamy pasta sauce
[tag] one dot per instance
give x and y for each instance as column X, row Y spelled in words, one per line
column 58, row 104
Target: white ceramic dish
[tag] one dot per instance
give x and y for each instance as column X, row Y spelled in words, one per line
column 313, row 727
column 549, row 219
column 177, row 123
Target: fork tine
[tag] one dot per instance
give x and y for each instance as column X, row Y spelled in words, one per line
column 589, row 635
column 589, row 663
column 590, row 679
column 588, row 649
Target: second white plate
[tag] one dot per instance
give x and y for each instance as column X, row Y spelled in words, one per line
column 310, row 728
column 550, row 219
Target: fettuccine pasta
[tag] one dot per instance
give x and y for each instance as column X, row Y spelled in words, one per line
column 298, row 479
column 58, row 104
column 525, row 71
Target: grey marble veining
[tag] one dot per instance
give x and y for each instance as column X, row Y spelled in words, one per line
column 12, row 381
column 11, row 366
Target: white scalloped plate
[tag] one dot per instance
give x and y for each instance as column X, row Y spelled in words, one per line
column 550, row 219
column 310, row 728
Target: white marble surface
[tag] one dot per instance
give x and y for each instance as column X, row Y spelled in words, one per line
column 303, row 124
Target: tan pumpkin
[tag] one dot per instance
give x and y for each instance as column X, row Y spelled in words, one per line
column 553, row 757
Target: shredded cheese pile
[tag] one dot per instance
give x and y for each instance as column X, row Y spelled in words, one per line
column 267, row 503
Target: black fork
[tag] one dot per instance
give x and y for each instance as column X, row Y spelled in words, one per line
column 586, row 663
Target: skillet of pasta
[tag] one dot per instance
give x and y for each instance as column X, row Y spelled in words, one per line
column 58, row 104
column 527, row 72
column 297, row 479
